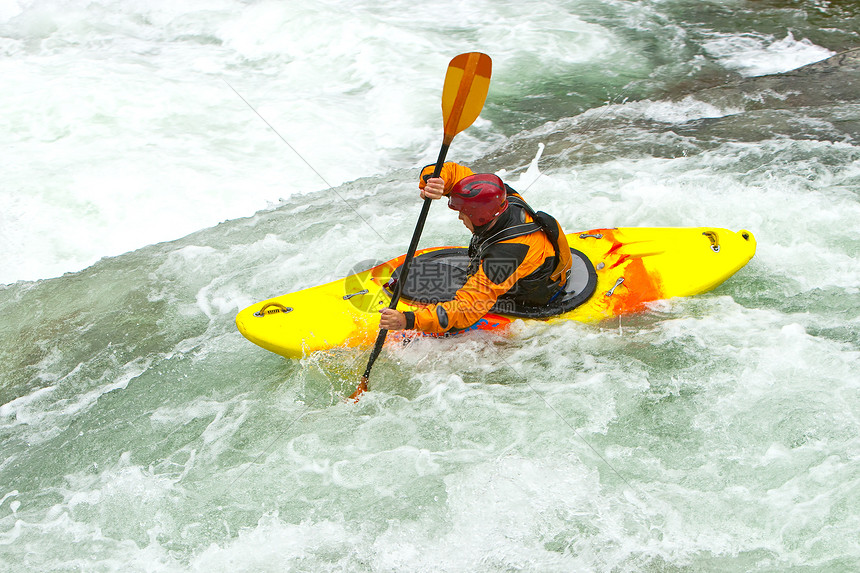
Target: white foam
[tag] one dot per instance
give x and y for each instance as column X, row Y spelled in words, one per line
column 494, row 511
column 276, row 545
column 46, row 412
column 754, row 54
column 681, row 111
column 9, row 9
column 12, row 493
column 121, row 132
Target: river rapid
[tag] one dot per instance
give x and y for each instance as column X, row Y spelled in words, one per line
column 167, row 164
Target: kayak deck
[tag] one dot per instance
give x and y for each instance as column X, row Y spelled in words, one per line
column 436, row 276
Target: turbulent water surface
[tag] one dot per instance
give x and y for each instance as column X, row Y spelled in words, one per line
column 143, row 203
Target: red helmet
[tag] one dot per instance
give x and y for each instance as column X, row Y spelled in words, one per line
column 481, row 196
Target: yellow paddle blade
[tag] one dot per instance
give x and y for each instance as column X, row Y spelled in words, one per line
column 466, row 84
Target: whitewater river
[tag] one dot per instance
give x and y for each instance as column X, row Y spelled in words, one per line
column 143, row 203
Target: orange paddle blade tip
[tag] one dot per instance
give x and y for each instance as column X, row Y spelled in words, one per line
column 466, row 85
column 362, row 388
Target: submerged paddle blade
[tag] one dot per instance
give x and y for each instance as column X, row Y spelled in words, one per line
column 362, row 388
column 466, row 85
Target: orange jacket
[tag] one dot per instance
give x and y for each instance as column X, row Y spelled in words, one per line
column 502, row 266
column 450, row 174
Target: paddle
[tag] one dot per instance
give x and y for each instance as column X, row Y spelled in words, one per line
column 466, row 84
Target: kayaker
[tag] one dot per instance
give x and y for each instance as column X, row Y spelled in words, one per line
column 515, row 253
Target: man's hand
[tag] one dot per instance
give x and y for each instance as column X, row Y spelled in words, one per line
column 392, row 319
column 434, row 189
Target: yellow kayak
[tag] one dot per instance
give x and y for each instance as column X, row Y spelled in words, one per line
column 616, row 272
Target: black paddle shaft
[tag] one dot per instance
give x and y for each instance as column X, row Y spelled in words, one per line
column 404, row 269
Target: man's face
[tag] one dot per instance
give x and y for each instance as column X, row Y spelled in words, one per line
column 466, row 221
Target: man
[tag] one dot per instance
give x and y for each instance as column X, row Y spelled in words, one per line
column 514, row 253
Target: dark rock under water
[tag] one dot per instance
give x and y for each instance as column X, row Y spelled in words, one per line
column 828, row 82
column 818, row 101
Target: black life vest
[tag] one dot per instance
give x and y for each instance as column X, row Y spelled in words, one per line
column 549, row 279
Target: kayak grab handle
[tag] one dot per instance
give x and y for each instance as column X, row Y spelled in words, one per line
column 715, row 242
column 611, row 291
column 278, row 307
column 349, row 296
column 595, row 236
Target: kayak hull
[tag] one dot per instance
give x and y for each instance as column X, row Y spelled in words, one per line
column 634, row 266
